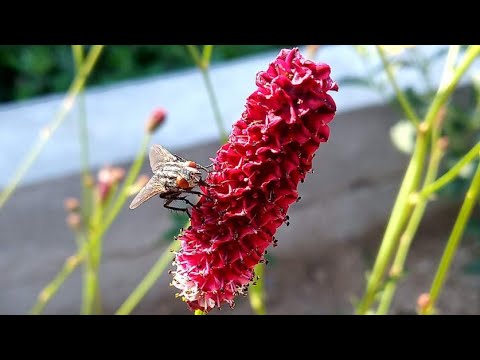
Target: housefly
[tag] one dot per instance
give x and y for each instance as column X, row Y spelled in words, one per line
column 172, row 177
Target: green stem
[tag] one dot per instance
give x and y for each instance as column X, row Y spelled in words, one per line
column 195, row 54
column 129, row 180
column 257, row 293
column 452, row 173
column 199, row 312
column 90, row 288
column 91, row 277
column 450, row 81
column 78, row 56
column 214, row 104
column 402, row 208
column 401, row 211
column 67, row 104
column 101, row 225
column 119, row 202
column 402, row 99
column 206, row 55
column 203, row 65
column 51, row 289
column 410, row 231
column 453, row 241
column 149, row 280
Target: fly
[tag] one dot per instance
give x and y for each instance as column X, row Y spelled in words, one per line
column 172, row 177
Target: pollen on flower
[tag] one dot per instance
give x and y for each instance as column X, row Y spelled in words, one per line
column 254, row 181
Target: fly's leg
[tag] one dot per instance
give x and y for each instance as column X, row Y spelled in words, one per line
column 194, row 192
column 198, row 193
column 167, row 205
column 205, row 168
column 184, row 198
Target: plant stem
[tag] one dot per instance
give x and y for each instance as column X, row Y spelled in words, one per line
column 204, row 69
column 452, row 173
column 410, row 231
column 398, row 217
column 214, row 103
column 149, row 280
column 91, row 287
column 101, row 225
column 450, row 81
column 453, row 241
column 199, row 312
column 117, row 206
column 207, row 55
column 256, row 294
column 195, row 54
column 51, row 289
column 129, row 180
column 78, row 56
column 402, row 208
column 90, row 276
column 402, row 99
column 67, row 104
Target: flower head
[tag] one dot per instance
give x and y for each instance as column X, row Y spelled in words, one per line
column 254, row 180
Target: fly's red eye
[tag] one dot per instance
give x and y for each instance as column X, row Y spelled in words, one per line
column 182, row 183
column 192, row 164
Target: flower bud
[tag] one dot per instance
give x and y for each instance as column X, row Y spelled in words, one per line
column 74, row 221
column 423, row 302
column 155, row 120
column 71, row 204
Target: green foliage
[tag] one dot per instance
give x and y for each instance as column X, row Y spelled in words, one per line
column 30, row 70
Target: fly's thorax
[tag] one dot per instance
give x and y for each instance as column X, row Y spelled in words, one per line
column 191, row 175
column 174, row 174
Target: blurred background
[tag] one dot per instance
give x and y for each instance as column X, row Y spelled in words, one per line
column 320, row 264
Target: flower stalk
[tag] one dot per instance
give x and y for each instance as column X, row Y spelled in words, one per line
column 452, row 244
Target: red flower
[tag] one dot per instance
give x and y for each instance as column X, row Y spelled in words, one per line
column 254, row 180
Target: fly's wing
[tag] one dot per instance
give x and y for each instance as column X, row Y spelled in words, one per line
column 159, row 155
column 152, row 188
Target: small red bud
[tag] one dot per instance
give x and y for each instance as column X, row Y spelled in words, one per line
column 155, row 120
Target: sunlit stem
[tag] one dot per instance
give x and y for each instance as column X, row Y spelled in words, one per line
column 45, row 135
